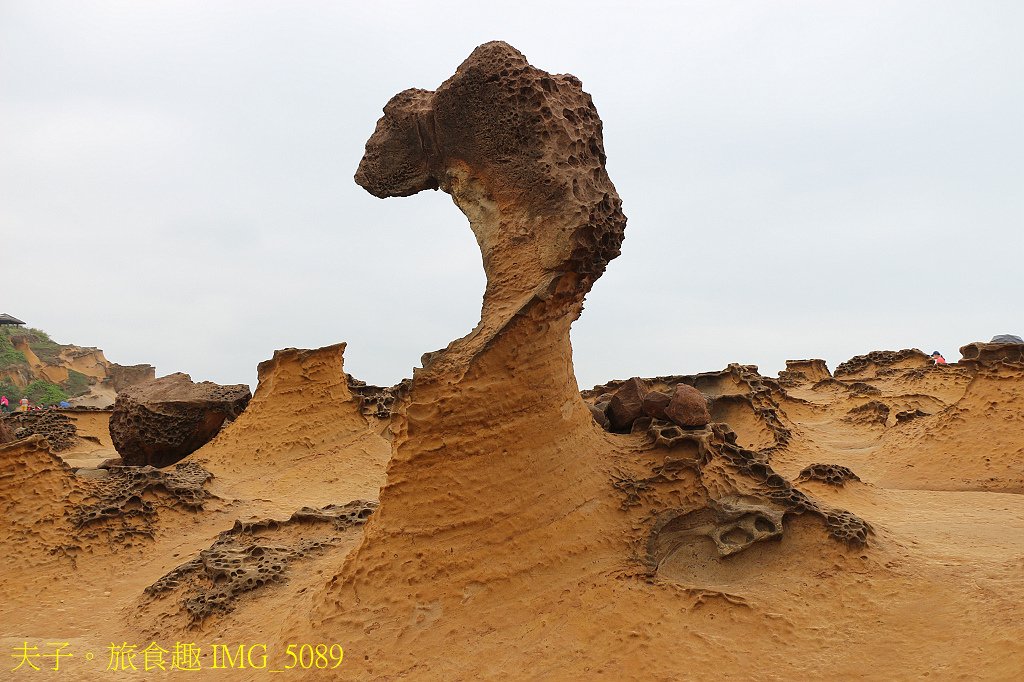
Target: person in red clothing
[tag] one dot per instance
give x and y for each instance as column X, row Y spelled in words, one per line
column 5, row 404
column 937, row 357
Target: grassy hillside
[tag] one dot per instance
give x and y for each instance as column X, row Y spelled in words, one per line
column 38, row 391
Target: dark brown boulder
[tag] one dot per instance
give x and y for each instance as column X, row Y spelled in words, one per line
column 627, row 404
column 688, row 407
column 161, row 422
column 599, row 416
column 654, row 404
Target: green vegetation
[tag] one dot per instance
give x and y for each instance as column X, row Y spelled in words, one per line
column 44, row 393
column 77, row 384
column 8, row 356
column 39, row 392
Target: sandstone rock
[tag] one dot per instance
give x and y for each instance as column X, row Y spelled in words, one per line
column 688, row 407
column 88, row 472
column 162, row 421
column 979, row 353
column 6, row 432
column 57, row 428
column 654, row 404
column 599, row 416
column 875, row 362
column 804, row 371
column 627, row 404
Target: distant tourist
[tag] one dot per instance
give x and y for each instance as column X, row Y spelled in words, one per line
column 64, row 404
column 23, row 405
column 5, row 404
column 937, row 357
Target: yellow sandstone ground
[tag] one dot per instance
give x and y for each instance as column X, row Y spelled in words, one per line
column 549, row 586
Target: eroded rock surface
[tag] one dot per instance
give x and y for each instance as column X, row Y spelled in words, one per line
column 882, row 361
column 979, row 353
column 161, row 422
column 800, row 371
column 6, row 432
column 833, row 474
column 251, row 554
column 54, row 426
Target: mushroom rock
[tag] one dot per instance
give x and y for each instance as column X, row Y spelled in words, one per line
column 500, row 488
column 161, row 422
column 498, row 412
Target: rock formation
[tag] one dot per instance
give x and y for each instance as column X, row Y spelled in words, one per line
column 88, row 377
column 990, row 353
column 882, row 360
column 6, row 433
column 163, row 421
column 498, row 466
column 688, row 407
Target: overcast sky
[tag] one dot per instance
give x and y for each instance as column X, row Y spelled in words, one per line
column 802, row 179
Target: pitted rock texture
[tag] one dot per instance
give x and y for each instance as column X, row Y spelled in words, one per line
column 56, row 428
column 737, row 393
column 872, row 412
column 833, row 474
column 375, row 401
column 801, row 371
column 979, row 353
column 733, row 523
column 163, row 421
column 521, row 153
column 127, row 503
column 882, row 361
column 254, row 553
column 734, row 496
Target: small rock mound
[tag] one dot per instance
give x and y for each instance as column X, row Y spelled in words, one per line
column 833, row 474
column 882, row 362
column 804, row 371
column 55, row 427
column 163, row 421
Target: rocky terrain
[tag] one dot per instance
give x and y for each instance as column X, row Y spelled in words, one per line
column 488, row 520
column 29, row 358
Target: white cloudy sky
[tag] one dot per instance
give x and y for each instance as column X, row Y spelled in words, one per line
column 802, row 179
